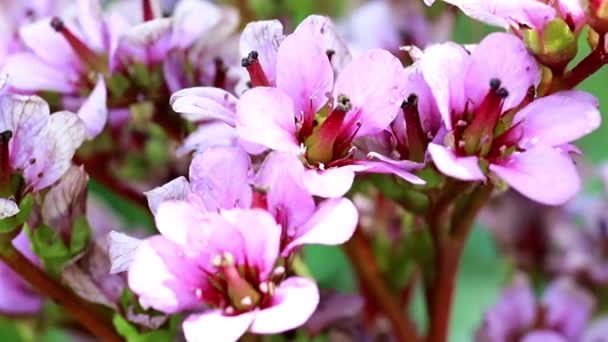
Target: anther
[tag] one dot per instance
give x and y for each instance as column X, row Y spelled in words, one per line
column 5, row 136
column 495, row 84
column 57, row 24
column 502, row 93
column 254, row 68
column 412, row 99
column 251, row 58
column 343, row 103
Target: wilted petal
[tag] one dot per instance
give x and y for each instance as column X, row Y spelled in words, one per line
column 375, row 84
column 304, row 73
column 215, row 326
column 121, row 248
column 94, row 110
column 333, row 223
column 205, row 103
column 265, row 116
column 8, row 208
column 163, row 278
column 177, row 189
column 220, row 177
column 558, row 119
column 444, row 68
column 516, row 69
column 21, row 66
column 293, row 302
column 463, row 168
column 264, row 37
column 542, row 174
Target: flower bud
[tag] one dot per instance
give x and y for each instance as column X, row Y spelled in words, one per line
column 598, row 15
column 555, row 46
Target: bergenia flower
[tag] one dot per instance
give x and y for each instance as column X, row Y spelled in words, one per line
column 522, row 13
column 477, row 94
column 221, row 178
column 225, row 266
column 309, row 114
column 34, row 143
column 16, row 296
column 560, row 316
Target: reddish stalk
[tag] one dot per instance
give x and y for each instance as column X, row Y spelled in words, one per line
column 80, row 310
column 370, row 277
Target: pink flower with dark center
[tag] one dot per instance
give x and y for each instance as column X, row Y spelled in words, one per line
column 494, row 124
column 225, row 265
column 296, row 107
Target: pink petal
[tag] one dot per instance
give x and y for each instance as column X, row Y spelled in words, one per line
column 265, row 116
column 90, row 18
column 21, row 66
column 333, row 223
column 220, row 177
column 504, row 57
column 444, row 67
column 558, row 119
column 430, row 117
column 49, row 45
column 384, row 165
column 215, row 326
column 317, row 24
column 293, row 302
column 210, row 134
column 304, row 72
column 261, row 245
column 163, row 278
column 282, row 175
column 543, row 336
column 264, row 37
column 331, row 183
column 205, row 103
column 568, row 307
column 177, row 189
column 597, row 330
column 573, row 10
column 146, row 43
column 463, row 168
column 543, row 174
column 94, row 111
column 375, row 84
column 191, row 20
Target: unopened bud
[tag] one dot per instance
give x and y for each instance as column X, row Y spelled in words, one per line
column 555, row 46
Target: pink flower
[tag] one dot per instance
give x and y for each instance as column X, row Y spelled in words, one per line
column 16, row 297
column 297, row 107
column 35, row 143
column 476, row 93
column 522, row 13
column 224, row 265
column 222, row 178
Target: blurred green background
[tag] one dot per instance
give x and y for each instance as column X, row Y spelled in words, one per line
column 482, row 272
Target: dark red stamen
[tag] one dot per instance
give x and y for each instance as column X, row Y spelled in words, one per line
column 5, row 167
column 219, row 80
column 148, row 10
column 86, row 55
column 308, row 123
column 416, row 139
column 254, row 68
column 344, row 141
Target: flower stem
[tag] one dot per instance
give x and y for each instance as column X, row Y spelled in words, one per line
column 80, row 310
column 585, row 68
column 448, row 254
column 370, row 277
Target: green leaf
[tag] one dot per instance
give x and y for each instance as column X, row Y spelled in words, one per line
column 329, row 267
column 81, row 235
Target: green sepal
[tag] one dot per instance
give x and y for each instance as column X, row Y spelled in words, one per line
column 80, row 236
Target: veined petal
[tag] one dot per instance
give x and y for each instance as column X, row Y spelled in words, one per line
column 265, row 116
column 215, row 326
column 177, row 189
column 121, row 250
column 293, row 302
column 542, row 174
column 463, row 168
column 375, row 84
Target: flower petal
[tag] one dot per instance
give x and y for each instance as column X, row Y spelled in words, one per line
column 265, row 117
column 216, row 133
column 177, row 189
column 215, row 326
column 558, row 119
column 331, row 39
column 94, row 111
column 121, row 249
column 543, row 336
column 568, row 308
column 175, row 219
column 8, row 208
column 21, row 66
column 375, row 84
column 90, row 18
column 304, row 72
column 189, row 25
column 163, row 278
column 542, row 174
column 49, row 45
column 333, row 223
column 331, row 183
column 463, row 168
column 444, row 67
column 220, row 177
column 384, row 165
column 293, row 302
column 514, row 66
column 597, row 330
column 205, row 103
column 263, row 36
